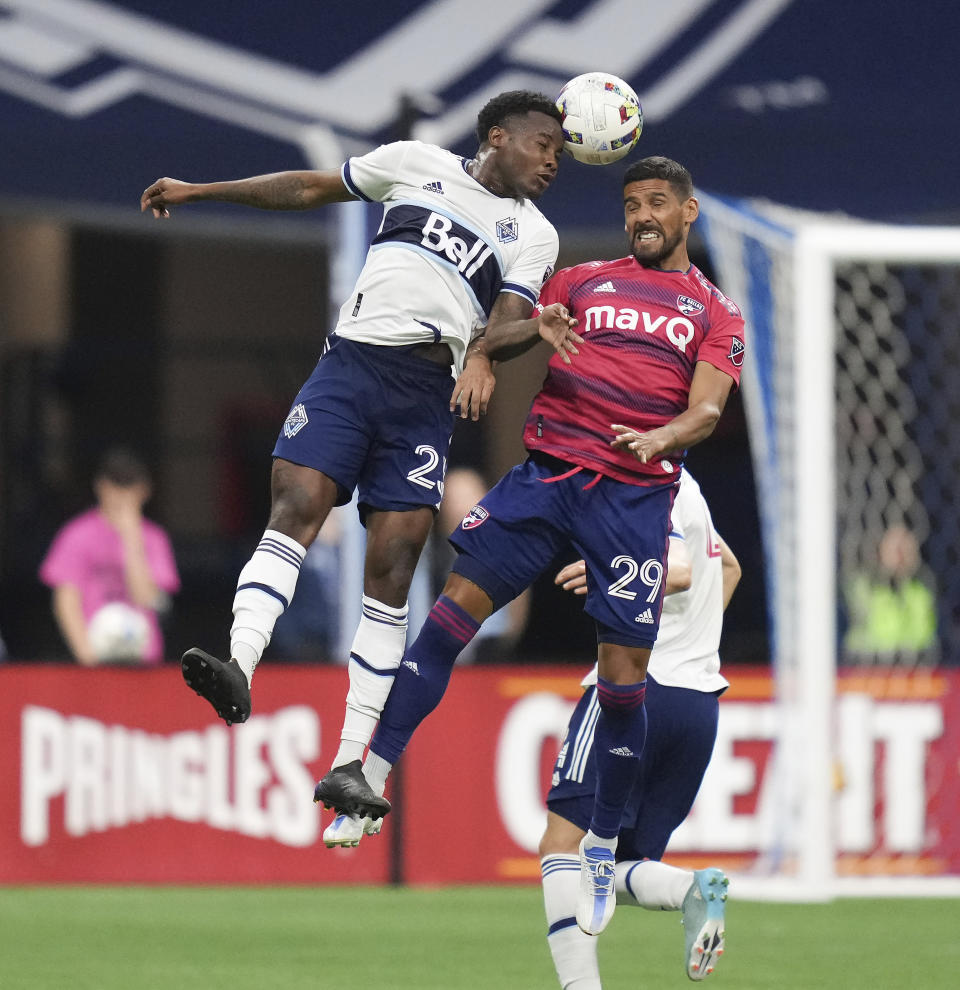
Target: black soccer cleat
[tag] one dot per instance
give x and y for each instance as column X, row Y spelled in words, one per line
column 346, row 790
column 224, row 685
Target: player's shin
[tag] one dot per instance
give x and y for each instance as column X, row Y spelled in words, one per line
column 423, row 676
column 264, row 590
column 374, row 658
column 574, row 953
column 618, row 742
column 652, row 885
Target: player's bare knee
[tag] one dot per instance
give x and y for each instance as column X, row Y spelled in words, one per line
column 558, row 841
column 301, row 500
column 296, row 515
column 548, row 844
column 469, row 596
column 389, row 571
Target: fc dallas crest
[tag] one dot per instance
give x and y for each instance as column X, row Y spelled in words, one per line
column 477, row 515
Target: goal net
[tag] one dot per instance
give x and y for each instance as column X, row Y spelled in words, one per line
column 853, row 344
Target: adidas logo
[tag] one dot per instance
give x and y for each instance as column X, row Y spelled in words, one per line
column 645, row 617
column 622, row 751
column 434, row 187
column 605, row 287
column 412, row 665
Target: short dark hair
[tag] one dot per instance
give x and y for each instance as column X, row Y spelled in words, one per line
column 121, row 466
column 515, row 103
column 658, row 167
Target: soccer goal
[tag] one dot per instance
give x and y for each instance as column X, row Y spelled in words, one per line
column 852, row 410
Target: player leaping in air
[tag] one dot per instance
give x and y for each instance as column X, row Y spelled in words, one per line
column 461, row 246
column 606, row 435
column 683, row 687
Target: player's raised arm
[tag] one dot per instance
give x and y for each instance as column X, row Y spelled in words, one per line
column 509, row 333
column 474, row 387
column 277, row 191
column 709, row 392
column 731, row 571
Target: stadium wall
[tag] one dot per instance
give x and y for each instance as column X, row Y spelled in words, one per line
column 116, row 776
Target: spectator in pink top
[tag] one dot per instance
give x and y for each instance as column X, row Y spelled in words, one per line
column 112, row 556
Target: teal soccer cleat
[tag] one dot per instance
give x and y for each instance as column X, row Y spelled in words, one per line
column 703, row 923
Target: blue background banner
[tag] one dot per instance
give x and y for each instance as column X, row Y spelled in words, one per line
column 817, row 104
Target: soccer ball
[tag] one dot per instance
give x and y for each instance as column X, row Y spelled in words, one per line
column 118, row 633
column 602, row 118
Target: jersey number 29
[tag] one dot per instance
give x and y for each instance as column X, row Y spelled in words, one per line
column 650, row 573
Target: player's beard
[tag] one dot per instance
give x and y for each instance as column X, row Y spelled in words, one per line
column 646, row 257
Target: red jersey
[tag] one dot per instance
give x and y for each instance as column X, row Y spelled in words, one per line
column 643, row 333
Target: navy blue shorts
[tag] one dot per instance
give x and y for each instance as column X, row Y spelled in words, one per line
column 681, row 731
column 376, row 419
column 542, row 506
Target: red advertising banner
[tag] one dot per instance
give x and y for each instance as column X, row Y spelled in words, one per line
column 481, row 763
column 125, row 776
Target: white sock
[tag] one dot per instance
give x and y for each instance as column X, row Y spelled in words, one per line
column 652, row 885
column 574, row 952
column 264, row 590
column 376, row 770
column 374, row 657
column 595, row 840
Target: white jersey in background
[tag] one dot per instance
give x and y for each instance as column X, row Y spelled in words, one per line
column 446, row 248
column 686, row 653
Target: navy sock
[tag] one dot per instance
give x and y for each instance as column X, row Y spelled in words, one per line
column 422, row 676
column 618, row 742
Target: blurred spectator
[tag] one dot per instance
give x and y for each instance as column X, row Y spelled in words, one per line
column 309, row 630
column 112, row 571
column 462, row 488
column 892, row 608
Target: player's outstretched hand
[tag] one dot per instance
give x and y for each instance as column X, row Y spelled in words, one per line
column 643, row 446
column 473, row 388
column 573, row 578
column 556, row 327
column 163, row 193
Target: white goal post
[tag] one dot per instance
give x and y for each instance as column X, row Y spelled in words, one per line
column 836, row 414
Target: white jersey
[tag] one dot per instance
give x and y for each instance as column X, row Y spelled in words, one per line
column 446, row 248
column 686, row 653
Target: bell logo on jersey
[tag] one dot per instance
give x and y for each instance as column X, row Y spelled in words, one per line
column 467, row 257
column 447, row 242
column 477, row 515
column 679, row 330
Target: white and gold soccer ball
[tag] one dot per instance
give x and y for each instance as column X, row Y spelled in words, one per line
column 602, row 118
column 118, row 633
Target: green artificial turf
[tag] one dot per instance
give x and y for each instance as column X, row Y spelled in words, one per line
column 126, row 938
